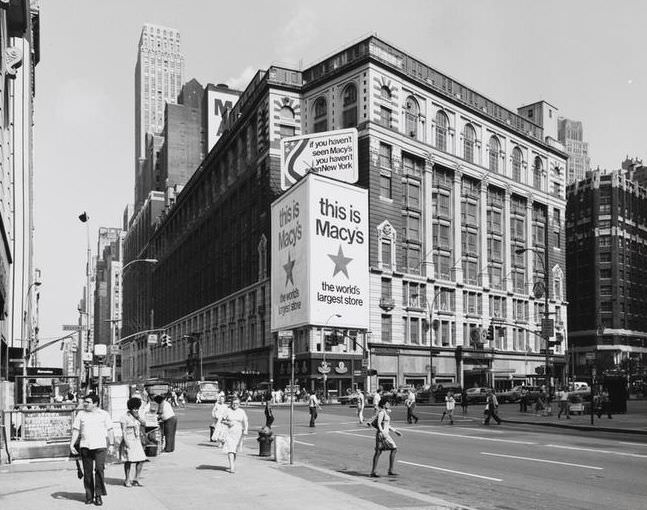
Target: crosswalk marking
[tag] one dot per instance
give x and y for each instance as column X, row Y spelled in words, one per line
column 540, row 460
column 436, row 468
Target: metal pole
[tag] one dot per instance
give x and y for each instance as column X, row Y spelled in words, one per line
column 292, row 400
column 546, row 313
column 87, row 291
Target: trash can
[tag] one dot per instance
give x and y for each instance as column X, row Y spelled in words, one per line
column 265, row 442
column 153, row 441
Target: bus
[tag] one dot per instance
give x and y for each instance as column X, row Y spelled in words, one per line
column 208, row 389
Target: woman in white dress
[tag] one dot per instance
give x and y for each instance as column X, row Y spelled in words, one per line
column 236, row 420
column 218, row 412
column 132, row 451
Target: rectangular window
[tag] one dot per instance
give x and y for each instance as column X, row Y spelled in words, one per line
column 386, row 254
column 494, row 221
column 472, row 303
column 386, row 160
column 386, row 328
column 446, row 300
column 470, row 272
column 496, row 277
column 386, row 288
column 469, row 242
column 441, row 235
column 442, row 266
column 494, row 249
column 469, row 215
column 385, row 185
column 413, row 259
column 412, row 197
column 385, row 116
column 441, row 205
column 286, row 130
column 412, row 165
column 414, row 330
column 413, row 227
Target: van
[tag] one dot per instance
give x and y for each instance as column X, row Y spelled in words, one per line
column 581, row 386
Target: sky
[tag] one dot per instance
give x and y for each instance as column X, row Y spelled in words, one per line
column 585, row 57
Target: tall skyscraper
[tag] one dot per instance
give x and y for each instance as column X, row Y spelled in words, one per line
column 571, row 134
column 159, row 76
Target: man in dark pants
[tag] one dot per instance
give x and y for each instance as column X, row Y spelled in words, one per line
column 92, row 427
column 313, row 405
column 492, row 409
column 168, row 420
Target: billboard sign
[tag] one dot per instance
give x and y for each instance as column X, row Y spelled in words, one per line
column 331, row 153
column 320, row 255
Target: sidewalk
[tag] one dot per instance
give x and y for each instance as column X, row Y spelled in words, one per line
column 634, row 421
column 193, row 477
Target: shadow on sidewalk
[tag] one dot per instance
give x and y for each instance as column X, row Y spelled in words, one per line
column 211, row 467
column 71, row 496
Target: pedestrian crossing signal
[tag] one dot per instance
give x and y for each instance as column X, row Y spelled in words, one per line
column 166, row 341
column 490, row 332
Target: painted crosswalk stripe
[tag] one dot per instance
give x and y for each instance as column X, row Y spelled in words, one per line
column 595, row 450
column 436, row 468
column 464, row 436
column 540, row 460
column 303, row 442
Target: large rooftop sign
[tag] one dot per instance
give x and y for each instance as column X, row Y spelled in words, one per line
column 320, row 255
column 331, row 153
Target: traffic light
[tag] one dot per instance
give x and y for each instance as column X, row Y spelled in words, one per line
column 490, row 332
column 559, row 338
column 166, row 341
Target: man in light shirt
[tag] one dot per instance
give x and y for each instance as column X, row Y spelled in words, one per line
column 93, row 427
column 166, row 415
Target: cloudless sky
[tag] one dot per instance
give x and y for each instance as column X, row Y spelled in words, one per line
column 586, row 57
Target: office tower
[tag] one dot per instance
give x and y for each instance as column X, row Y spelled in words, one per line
column 571, row 134
column 159, row 75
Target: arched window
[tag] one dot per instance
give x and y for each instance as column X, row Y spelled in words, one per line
column 517, row 159
column 494, row 148
column 442, row 124
column 321, row 115
column 537, row 171
column 411, row 116
column 287, row 113
column 469, row 138
column 349, row 105
column 385, row 93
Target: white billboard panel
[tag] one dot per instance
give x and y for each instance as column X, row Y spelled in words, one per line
column 320, row 255
column 331, row 153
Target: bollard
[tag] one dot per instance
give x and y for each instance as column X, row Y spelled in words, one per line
column 265, row 442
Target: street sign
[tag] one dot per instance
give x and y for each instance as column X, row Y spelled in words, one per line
column 283, row 344
column 357, row 373
column 114, row 350
column 72, row 327
column 547, row 328
column 152, row 339
column 364, row 362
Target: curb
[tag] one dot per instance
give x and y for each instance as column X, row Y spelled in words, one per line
column 577, row 427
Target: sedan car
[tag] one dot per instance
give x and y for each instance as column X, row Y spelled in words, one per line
column 477, row 395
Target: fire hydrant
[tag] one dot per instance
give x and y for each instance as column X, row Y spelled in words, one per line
column 265, row 442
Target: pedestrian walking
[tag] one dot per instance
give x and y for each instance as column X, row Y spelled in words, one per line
column 198, row 397
column 269, row 415
column 131, row 450
column 562, row 396
column 313, row 406
column 491, row 408
column 410, row 403
column 605, row 404
column 450, row 404
column 361, row 402
column 167, row 418
column 464, row 402
column 377, row 397
column 236, row 421
column 91, row 428
column 218, row 428
column 383, row 439
column 523, row 399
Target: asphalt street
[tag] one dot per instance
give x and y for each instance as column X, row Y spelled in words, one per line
column 497, row 467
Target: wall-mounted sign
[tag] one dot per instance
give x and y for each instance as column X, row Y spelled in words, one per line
column 331, row 153
column 320, row 255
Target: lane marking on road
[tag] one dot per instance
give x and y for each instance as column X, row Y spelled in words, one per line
column 346, row 433
column 633, row 444
column 436, row 468
column 464, row 436
column 541, row 460
column 596, row 450
column 302, row 442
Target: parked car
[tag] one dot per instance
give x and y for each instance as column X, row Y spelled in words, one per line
column 477, row 395
column 440, row 391
column 511, row 395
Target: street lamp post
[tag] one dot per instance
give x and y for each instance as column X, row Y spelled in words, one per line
column 26, row 344
column 323, row 345
column 84, row 217
column 545, row 333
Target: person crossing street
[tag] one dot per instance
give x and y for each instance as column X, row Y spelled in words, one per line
column 410, row 402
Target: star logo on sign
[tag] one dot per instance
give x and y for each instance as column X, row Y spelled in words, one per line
column 288, row 271
column 341, row 262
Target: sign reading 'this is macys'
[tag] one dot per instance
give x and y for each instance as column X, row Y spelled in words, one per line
column 320, row 255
